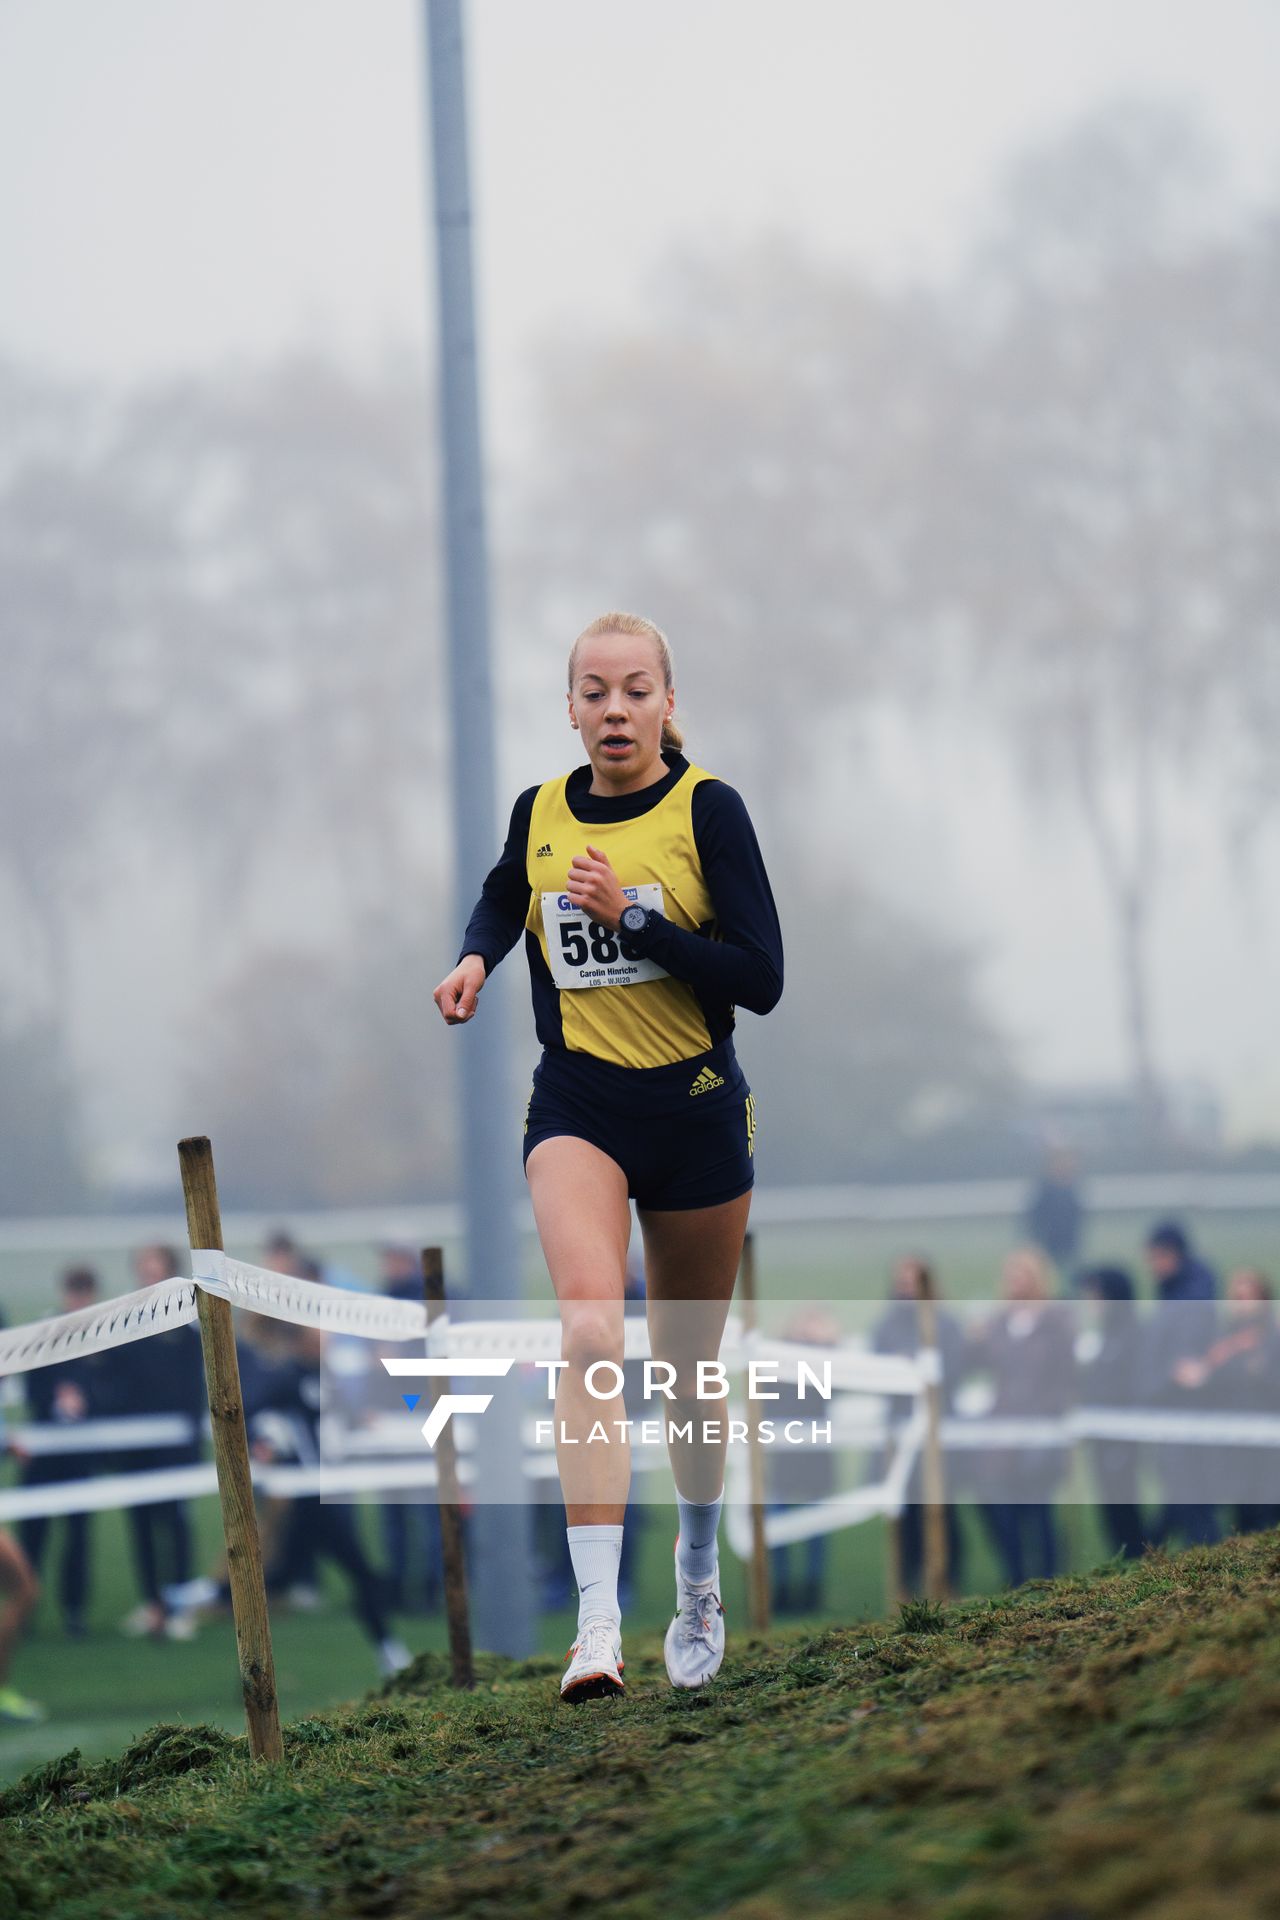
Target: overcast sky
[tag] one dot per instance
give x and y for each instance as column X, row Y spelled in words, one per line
column 184, row 182
column 179, row 182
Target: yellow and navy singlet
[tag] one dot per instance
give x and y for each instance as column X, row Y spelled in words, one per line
column 686, row 847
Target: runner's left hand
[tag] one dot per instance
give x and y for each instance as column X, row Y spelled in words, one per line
column 595, row 887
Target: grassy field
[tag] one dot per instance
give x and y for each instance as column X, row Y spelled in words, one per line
column 103, row 1691
column 1106, row 1745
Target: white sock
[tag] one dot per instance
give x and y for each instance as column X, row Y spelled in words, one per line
column 596, row 1553
column 697, row 1551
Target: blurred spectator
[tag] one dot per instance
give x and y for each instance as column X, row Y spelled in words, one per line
column 1111, row 1376
column 411, row 1537
column 317, row 1529
column 263, row 1344
column 1241, row 1370
column 349, row 1357
column 163, row 1374
column 19, row 1591
column 1184, row 1327
column 282, row 1254
column 282, row 1408
column 1028, row 1349
column 798, row 1476
column 61, row 1397
column 898, row 1331
column 401, row 1271
column 1054, row 1220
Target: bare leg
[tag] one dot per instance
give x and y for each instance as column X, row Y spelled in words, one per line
column 584, row 1223
column 691, row 1268
column 21, row 1590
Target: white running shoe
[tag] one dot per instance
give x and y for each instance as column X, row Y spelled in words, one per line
column 200, row 1592
column 393, row 1658
column 694, row 1646
column 595, row 1664
column 148, row 1619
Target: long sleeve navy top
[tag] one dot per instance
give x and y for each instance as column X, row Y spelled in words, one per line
column 740, row 966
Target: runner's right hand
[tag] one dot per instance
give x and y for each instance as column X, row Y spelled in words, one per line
column 456, row 995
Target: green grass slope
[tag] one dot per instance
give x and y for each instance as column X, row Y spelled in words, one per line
column 1095, row 1746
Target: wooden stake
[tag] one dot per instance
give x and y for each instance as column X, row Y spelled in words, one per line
column 231, row 1455
column 758, row 1570
column 934, row 1484
column 449, row 1495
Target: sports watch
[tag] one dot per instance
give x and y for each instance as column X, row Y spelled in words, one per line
column 637, row 922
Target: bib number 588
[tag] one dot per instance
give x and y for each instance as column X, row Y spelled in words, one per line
column 598, row 943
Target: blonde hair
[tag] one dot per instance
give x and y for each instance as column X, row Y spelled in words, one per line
column 635, row 625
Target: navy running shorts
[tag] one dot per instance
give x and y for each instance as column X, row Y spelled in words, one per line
column 684, row 1135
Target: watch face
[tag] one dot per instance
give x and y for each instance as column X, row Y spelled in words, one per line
column 635, row 919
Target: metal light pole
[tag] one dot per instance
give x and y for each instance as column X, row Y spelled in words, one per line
column 502, row 1574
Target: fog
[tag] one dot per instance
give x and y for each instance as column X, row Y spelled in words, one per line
column 916, row 374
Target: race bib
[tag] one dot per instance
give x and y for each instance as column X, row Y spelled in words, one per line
column 585, row 954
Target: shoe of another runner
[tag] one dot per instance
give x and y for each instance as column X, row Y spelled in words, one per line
column 181, row 1626
column 148, row 1619
column 15, row 1706
column 393, row 1658
column 305, row 1597
column 595, row 1664
column 186, row 1594
column 694, row 1646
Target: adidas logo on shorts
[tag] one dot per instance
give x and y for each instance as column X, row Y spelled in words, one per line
column 706, row 1080
column 543, row 851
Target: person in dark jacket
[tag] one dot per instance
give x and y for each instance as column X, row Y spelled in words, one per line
column 897, row 1331
column 1028, row 1349
column 1184, row 1327
column 62, row 1397
column 1240, row 1373
column 163, row 1374
column 316, row 1528
column 1110, row 1376
column 1054, row 1219
column 411, row 1537
column 798, row 1476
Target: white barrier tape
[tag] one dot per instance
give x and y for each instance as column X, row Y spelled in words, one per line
column 107, row 1490
column 540, row 1339
column 134, row 1316
column 118, row 1491
column 137, row 1435
column 980, row 1434
column 1154, row 1426
column 929, row 1366
column 1195, row 1426
column 853, row 1368
column 802, row 1521
column 306, row 1303
column 908, row 1449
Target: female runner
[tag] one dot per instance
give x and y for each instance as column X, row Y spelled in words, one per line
column 648, row 917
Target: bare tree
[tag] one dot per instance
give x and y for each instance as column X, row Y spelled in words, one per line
column 745, row 462
column 1100, row 530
